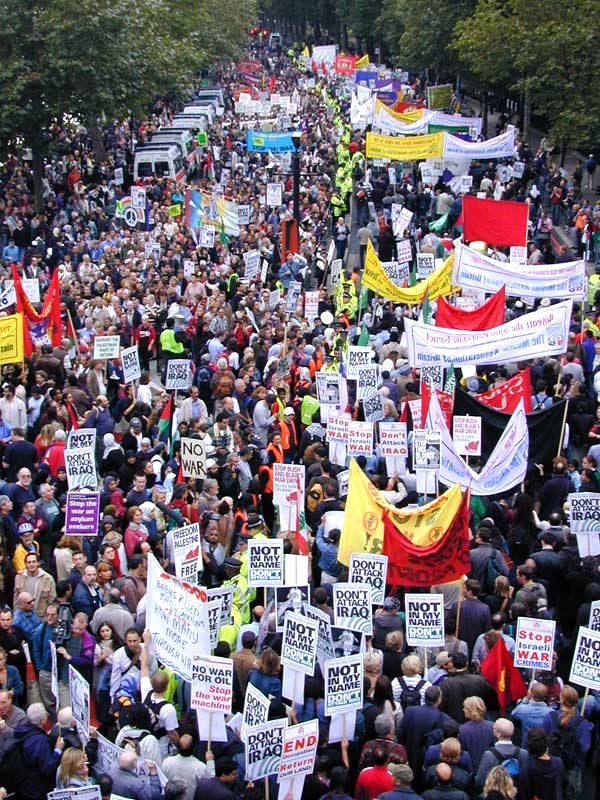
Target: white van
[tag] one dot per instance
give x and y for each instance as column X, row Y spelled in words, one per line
column 214, row 96
column 195, row 122
column 201, row 110
column 158, row 161
column 177, row 136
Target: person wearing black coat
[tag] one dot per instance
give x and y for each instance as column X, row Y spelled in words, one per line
column 417, row 723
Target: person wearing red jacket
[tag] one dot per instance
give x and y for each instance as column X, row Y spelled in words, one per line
column 55, row 455
column 145, row 338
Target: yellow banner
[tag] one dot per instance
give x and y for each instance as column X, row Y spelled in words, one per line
column 11, row 339
column 438, row 284
column 363, row 517
column 363, row 61
column 401, row 116
column 408, row 148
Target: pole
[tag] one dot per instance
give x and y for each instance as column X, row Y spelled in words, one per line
column 562, row 430
column 296, row 179
column 266, row 787
column 585, row 697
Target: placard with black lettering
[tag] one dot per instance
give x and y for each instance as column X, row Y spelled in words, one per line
column 352, row 607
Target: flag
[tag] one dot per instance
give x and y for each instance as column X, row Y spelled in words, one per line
column 426, row 311
column 363, row 61
column 39, row 327
column 164, row 422
column 500, row 672
column 450, row 383
column 489, row 315
column 498, row 222
column 364, row 338
column 506, row 397
column 413, row 276
column 306, row 51
column 439, row 225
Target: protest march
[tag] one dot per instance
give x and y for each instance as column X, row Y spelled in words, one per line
column 300, row 448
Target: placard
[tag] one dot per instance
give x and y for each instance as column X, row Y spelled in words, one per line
column 393, row 439
column 178, row 374
column 594, row 623
column 357, row 357
column 81, row 439
column 212, row 683
column 79, row 793
column 31, row 287
column 373, row 407
column 274, row 194
column 264, row 744
column 138, row 197
column 265, row 562
column 193, row 458
column 293, row 295
column 352, row 607
column 107, row 347
column 299, row 644
column 325, row 649
column 288, row 479
column 534, row 643
column 256, row 710
column 399, row 274
column 337, row 427
column 467, row 435
column 252, row 261
column 299, row 750
column 289, row 599
column 404, row 251
column 207, row 236
column 585, row 669
column 518, row 255
column 328, row 388
column 367, row 381
column 152, row 250
column 344, row 684
column 427, row 448
column 369, row 568
column 399, row 225
column 425, row 620
column 119, row 178
column 584, row 521
column 518, row 169
column 466, row 182
column 225, row 595
column 360, row 438
column 244, row 214
column 215, row 609
column 335, row 273
column 82, row 513
column 81, row 468
column 425, row 265
column 130, row 361
column 187, row 552
column 79, row 691
column 311, row 306
column 433, row 376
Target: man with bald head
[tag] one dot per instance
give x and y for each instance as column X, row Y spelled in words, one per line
column 443, row 788
column 127, row 783
column 504, row 748
column 185, row 766
column 25, row 620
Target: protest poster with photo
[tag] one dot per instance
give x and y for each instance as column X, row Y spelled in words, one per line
column 343, row 479
column 225, row 594
column 265, row 562
column 178, row 374
column 400, row 222
column 585, row 668
column 373, row 407
column 81, row 468
column 264, row 744
column 54, row 672
column 244, row 214
column 325, row 649
column 79, row 691
column 328, row 388
column 274, row 194
column 177, row 617
column 79, row 793
column 130, row 361
column 193, row 458
column 347, row 642
column 299, row 644
column 584, row 521
column 152, row 250
column 82, row 513
column 424, row 620
column 344, row 684
column 252, row 262
column 293, row 295
column 288, row 480
column 186, row 552
column 404, row 251
column 357, row 357
column 108, row 756
column 534, row 643
column 594, row 623
column 352, row 607
column 427, row 449
column 369, row 568
column 289, row 598
column 207, row 236
column 311, row 307
column 425, row 265
column 360, row 438
column 107, row 347
column 138, row 197
column 367, row 381
column 299, row 750
column 212, row 683
column 256, row 710
column 466, row 435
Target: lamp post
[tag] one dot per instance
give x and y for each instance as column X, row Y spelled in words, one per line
column 296, row 141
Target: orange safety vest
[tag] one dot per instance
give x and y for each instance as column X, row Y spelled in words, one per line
column 268, row 470
column 277, row 452
column 289, row 440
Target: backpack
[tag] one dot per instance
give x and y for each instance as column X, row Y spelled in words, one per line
column 564, row 742
column 314, row 497
column 492, row 571
column 510, row 763
column 411, row 695
column 13, row 770
column 155, row 706
column 131, row 743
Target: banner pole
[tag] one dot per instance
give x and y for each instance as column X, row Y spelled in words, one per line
column 562, row 429
column 585, row 697
column 267, row 790
column 209, row 730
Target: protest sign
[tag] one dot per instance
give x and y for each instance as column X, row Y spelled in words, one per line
column 215, row 608
column 138, row 197
column 467, row 435
column 177, row 617
column 360, row 438
column 130, row 360
column 293, row 295
column 357, row 357
column 178, row 374
column 265, row 562
column 325, row 649
column 399, row 274
column 193, row 458
column 518, row 255
column 416, row 408
column 399, row 225
column 337, row 427
column 152, row 250
column 119, row 177
column 81, row 468
column 298, row 750
column 252, row 261
column 594, row 622
column 108, row 756
column 299, row 644
column 54, row 672
column 534, row 643
column 352, row 607
column 263, row 749
column 427, row 447
column 585, row 668
column 393, row 440
column 244, row 214
column 186, row 551
column 343, row 684
column 367, row 381
column 335, row 273
column 424, row 620
column 256, row 710
column 404, row 251
column 311, row 307
column 274, row 194
column 289, row 599
column 81, row 439
column 346, row 642
column 224, row 593
column 79, row 793
column 328, row 388
column 466, row 181
column 373, row 407
column 433, row 377
column 207, row 236
column 425, row 265
column 212, row 683
column 584, row 521
column 343, row 479
column 369, row 568
column 287, row 480
column 107, row 347
column 79, row 691
column 82, row 514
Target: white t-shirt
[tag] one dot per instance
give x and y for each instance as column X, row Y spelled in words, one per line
column 167, row 716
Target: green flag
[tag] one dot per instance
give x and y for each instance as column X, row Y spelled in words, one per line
column 223, row 238
column 363, row 339
column 439, row 225
column 413, row 276
column 426, row 309
column 450, row 383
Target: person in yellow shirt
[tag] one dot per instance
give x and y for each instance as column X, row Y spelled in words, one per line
column 27, row 545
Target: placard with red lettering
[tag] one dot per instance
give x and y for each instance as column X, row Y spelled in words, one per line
column 534, row 643
column 467, row 435
column 212, row 683
column 299, row 750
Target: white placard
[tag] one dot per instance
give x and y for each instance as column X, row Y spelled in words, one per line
column 288, row 479
column 466, row 182
column 274, row 194
column 427, row 446
column 212, row 683
column 518, row 255
column 357, row 356
column 344, row 684
column 352, row 607
column 534, row 643
column 138, row 197
column 424, row 620
column 81, row 439
column 369, row 568
column 404, row 251
column 367, row 382
column 585, row 669
column 207, row 236
column 311, row 306
column 193, row 458
column 252, row 261
column 425, row 265
column 187, row 552
column 244, row 214
column 119, row 177
column 360, row 438
column 594, row 622
column 467, row 435
column 178, row 374
column 299, row 643
column 79, row 691
column 263, row 749
column 81, row 468
column 107, row 347
column 265, row 562
column 130, row 361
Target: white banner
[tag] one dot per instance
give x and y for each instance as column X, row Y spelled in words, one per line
column 344, row 684
column 556, row 281
column 299, row 643
column 425, row 620
column 539, row 334
column 361, row 111
column 352, row 607
column 502, row 146
column 534, row 643
column 369, row 568
column 187, row 553
column 130, row 360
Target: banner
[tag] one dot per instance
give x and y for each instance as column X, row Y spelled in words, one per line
column 299, row 750
column 539, row 334
column 507, row 396
column 212, row 684
column 265, row 141
column 130, row 361
column 534, row 643
column 489, row 315
column 497, row 222
column 11, row 339
column 82, row 514
column 203, row 208
column 344, row 685
column 391, row 122
column 265, row 562
column 371, row 569
column 264, row 744
column 457, row 121
column 187, row 552
column 43, row 327
column 361, row 111
column 410, row 148
column 585, row 669
column 193, row 458
column 345, row 65
column 81, row 468
column 476, row 271
column 107, row 347
column 352, row 607
column 502, row 146
column 178, row 374
column 299, row 643
column 177, row 617
column 424, row 620
column 324, row 54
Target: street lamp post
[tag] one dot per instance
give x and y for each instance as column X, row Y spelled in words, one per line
column 296, row 141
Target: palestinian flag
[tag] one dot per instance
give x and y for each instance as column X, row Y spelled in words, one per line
column 164, row 422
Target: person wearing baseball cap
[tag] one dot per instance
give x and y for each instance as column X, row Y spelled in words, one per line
column 26, row 545
column 403, row 778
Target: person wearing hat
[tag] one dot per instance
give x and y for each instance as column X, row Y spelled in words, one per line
column 289, row 434
column 385, row 621
column 26, row 545
column 132, row 438
column 403, row 778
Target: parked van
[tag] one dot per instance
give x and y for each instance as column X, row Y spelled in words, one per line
column 158, row 161
column 178, row 136
column 206, row 110
column 197, row 121
column 214, row 96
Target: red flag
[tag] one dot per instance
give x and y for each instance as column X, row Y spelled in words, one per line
column 489, row 315
column 445, row 399
column 498, row 222
column 500, row 672
column 506, row 396
column 45, row 325
column 404, row 414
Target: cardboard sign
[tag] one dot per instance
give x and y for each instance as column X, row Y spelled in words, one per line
column 225, row 595
column 187, row 554
column 373, row 407
column 371, row 569
column 352, row 607
column 193, row 458
column 293, row 295
column 594, row 623
column 311, row 306
column 119, row 177
column 178, row 374
column 425, row 620
column 427, row 449
column 360, row 438
column 585, row 669
column 534, row 643
column 325, row 649
column 344, row 684
column 79, row 793
column 256, row 709
column 404, row 251
column 152, row 250
column 107, row 347
column 367, row 381
column 82, row 514
column 399, row 274
column 425, row 265
column 130, row 361
column 265, row 562
column 299, row 750
column 328, row 388
column 433, row 376
column 264, row 744
column 357, row 357
column 518, row 255
column 393, row 439
column 335, row 273
column 288, row 480
column 337, row 428
column 274, row 194
column 299, row 644
column 467, row 435
column 252, row 261
column 215, row 609
column 518, row 169
column 584, row 520
column 212, row 684
column 81, row 468
column 79, row 690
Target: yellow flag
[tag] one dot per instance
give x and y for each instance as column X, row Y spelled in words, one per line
column 363, row 61
column 407, row 148
column 402, row 116
column 11, row 339
column 305, row 52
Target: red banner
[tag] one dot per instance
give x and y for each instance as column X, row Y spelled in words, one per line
column 506, row 397
column 489, row 315
column 499, row 222
column 500, row 672
column 345, row 65
column 43, row 327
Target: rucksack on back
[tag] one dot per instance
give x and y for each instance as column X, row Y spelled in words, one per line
column 411, row 695
column 154, row 707
column 564, row 743
column 509, row 762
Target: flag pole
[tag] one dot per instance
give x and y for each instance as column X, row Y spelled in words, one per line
column 585, row 697
column 562, row 429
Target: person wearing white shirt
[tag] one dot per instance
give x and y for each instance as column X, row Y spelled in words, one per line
column 186, row 767
column 153, row 696
column 13, row 410
column 126, row 661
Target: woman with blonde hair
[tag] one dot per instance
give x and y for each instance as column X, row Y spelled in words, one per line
column 499, row 781
column 73, row 769
column 476, row 734
column 570, row 738
column 410, row 687
column 450, row 754
column 63, row 555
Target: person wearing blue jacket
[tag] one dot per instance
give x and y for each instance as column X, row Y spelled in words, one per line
column 40, row 758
